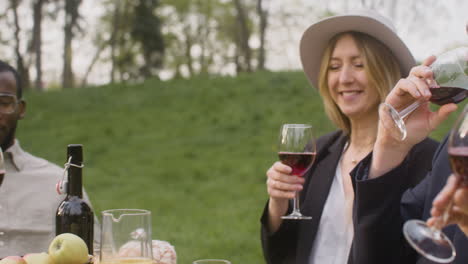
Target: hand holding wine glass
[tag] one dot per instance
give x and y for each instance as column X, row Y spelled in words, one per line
column 428, row 239
column 441, row 82
column 297, row 150
column 452, row 202
column 453, row 192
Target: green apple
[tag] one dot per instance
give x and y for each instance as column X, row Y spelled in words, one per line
column 38, row 258
column 68, row 248
column 12, row 260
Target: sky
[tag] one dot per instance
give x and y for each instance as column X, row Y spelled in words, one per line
column 439, row 27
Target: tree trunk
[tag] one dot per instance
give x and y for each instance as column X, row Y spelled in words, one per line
column 244, row 34
column 188, row 49
column 71, row 17
column 237, row 60
column 37, row 15
column 103, row 45
column 263, row 16
column 22, row 70
column 67, row 81
column 203, row 34
column 113, row 40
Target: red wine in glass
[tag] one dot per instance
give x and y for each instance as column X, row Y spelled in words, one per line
column 444, row 95
column 459, row 162
column 300, row 162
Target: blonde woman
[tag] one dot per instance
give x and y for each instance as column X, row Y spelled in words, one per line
column 354, row 60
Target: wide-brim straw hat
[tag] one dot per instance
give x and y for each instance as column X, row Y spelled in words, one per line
column 316, row 38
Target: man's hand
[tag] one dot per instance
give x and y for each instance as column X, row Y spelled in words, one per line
column 455, row 195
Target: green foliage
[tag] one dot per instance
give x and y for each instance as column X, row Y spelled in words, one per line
column 132, row 30
column 194, row 152
column 202, row 36
column 146, row 30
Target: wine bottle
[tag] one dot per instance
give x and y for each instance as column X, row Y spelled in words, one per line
column 74, row 215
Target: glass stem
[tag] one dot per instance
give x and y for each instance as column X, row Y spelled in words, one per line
column 442, row 220
column 408, row 110
column 296, row 203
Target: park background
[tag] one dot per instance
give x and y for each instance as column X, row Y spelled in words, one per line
column 177, row 108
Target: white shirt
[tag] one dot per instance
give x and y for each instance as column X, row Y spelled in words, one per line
column 335, row 233
column 28, row 203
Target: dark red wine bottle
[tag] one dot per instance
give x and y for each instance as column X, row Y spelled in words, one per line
column 74, row 215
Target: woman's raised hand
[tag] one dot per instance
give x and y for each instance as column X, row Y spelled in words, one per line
column 422, row 121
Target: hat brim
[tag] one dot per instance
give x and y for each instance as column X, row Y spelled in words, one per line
column 316, row 38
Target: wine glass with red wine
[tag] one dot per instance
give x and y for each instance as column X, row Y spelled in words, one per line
column 431, row 242
column 297, row 150
column 450, row 72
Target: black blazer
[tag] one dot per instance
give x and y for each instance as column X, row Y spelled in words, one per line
column 293, row 242
column 380, row 226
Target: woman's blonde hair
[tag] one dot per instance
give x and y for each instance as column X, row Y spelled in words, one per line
column 380, row 65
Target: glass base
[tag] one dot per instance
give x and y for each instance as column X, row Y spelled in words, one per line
column 392, row 121
column 296, row 216
column 431, row 243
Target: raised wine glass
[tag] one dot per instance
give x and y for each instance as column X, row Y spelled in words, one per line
column 297, row 150
column 431, row 242
column 450, row 71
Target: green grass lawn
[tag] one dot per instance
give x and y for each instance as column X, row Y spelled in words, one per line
column 193, row 152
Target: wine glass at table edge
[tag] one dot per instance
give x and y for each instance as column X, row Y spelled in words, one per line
column 431, row 241
column 297, row 149
column 450, row 72
column 211, row 261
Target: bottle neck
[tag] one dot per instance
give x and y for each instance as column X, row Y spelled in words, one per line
column 75, row 158
column 75, row 182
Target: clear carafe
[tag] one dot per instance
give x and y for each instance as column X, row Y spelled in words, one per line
column 126, row 237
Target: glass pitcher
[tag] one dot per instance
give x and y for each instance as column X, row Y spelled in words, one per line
column 126, row 237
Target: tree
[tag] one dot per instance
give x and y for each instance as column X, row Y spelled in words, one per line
column 131, row 31
column 71, row 25
column 21, row 66
column 113, row 39
column 181, row 36
column 146, row 30
column 212, row 36
column 37, row 40
column 262, row 27
column 243, row 36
